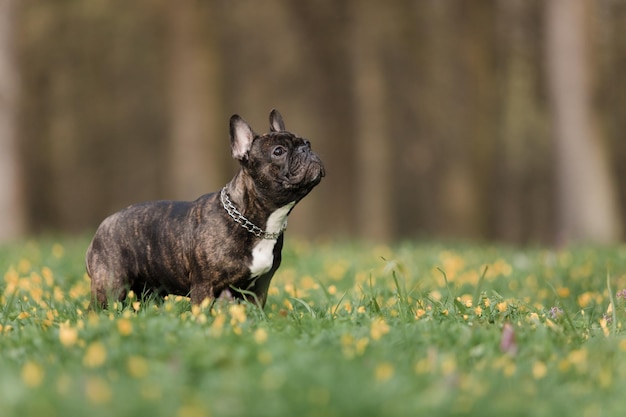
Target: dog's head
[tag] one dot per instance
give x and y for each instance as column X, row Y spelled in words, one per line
column 281, row 164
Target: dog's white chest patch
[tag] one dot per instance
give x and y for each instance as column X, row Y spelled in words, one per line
column 263, row 252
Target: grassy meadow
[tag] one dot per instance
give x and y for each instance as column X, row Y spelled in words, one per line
column 349, row 329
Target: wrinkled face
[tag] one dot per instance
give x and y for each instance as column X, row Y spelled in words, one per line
column 283, row 166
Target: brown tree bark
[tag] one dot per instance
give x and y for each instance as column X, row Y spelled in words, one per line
column 446, row 104
column 520, row 175
column 195, row 151
column 11, row 203
column 587, row 207
column 373, row 151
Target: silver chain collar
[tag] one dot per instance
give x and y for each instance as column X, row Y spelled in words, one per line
column 245, row 223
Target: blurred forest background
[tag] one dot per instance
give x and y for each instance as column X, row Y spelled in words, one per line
column 489, row 119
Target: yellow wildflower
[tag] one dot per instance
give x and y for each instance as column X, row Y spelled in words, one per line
column 47, row 275
column 578, row 358
column 378, row 329
column 36, row 293
column 585, row 299
column 260, row 336
column 206, row 303
column 361, row 344
column 237, row 313
column 58, row 294
column 93, row 319
column 95, row 355
column 23, row 266
column 419, row 313
column 195, row 310
column 337, row 270
column 423, row 366
column 552, row 325
column 218, row 325
column 384, row 371
column 382, row 251
column 539, row 370
column 452, row 264
column 509, row 369
column 564, row 365
column 435, row 295
column 448, row 365
column 604, row 326
column 563, row 292
column 58, row 251
column 466, row 300
column 137, row 367
column 273, row 291
column 98, row 391
column 501, row 267
column 79, row 290
column 32, row 374
column 124, row 326
column 290, row 289
column 308, row 283
column 68, row 335
column 605, row 377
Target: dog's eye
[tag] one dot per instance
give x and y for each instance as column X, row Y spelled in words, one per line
column 279, row 151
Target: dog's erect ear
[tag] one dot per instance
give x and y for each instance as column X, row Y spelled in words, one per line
column 276, row 121
column 241, row 137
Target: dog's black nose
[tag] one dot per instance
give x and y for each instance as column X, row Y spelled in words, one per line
column 305, row 146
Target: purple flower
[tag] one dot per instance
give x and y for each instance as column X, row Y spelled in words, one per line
column 608, row 318
column 622, row 294
column 555, row 312
column 507, row 340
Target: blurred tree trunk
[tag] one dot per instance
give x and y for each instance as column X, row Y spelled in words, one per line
column 520, row 175
column 446, row 108
column 587, row 208
column 325, row 100
column 611, row 94
column 11, row 206
column 194, row 163
column 373, row 153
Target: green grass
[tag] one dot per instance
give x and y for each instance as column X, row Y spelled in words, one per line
column 413, row 329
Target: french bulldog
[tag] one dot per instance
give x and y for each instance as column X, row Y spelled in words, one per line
column 226, row 241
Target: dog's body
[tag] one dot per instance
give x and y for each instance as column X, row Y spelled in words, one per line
column 226, row 240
